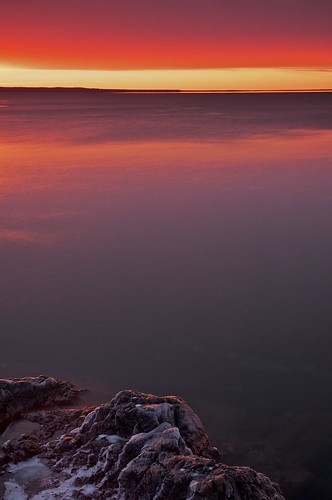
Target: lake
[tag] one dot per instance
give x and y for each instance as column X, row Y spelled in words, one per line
column 177, row 244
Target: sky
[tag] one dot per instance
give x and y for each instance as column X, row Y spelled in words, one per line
column 187, row 44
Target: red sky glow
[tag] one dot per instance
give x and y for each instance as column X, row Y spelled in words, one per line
column 113, row 35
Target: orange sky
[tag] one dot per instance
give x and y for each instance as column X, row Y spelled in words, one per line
column 140, row 35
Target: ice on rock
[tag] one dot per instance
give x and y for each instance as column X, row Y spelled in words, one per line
column 113, row 439
column 14, row 491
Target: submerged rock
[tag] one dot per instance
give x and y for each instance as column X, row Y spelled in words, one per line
column 137, row 446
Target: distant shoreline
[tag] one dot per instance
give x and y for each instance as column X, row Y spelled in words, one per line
column 163, row 91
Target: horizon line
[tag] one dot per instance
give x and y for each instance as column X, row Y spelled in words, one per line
column 170, row 91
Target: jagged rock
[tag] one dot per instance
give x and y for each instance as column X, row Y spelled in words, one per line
column 137, row 446
column 22, row 394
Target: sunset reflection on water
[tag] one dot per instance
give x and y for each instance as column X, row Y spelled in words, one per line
column 171, row 244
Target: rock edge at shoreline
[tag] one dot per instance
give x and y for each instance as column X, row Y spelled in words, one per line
column 137, row 446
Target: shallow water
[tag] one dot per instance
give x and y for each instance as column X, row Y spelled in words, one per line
column 174, row 243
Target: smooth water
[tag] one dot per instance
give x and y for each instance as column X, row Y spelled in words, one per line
column 172, row 243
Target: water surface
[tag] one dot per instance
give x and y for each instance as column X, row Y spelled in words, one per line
column 173, row 243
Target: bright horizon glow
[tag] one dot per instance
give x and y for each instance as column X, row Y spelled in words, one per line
column 182, row 79
column 187, row 45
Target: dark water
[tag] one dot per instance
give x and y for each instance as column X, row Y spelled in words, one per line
column 177, row 244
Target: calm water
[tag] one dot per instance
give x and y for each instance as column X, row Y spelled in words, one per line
column 174, row 244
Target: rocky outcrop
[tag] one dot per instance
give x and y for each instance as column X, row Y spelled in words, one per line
column 20, row 395
column 137, row 446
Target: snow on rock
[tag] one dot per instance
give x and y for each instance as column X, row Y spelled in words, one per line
column 14, row 491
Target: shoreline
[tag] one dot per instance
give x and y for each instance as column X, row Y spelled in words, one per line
column 167, row 91
column 135, row 444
